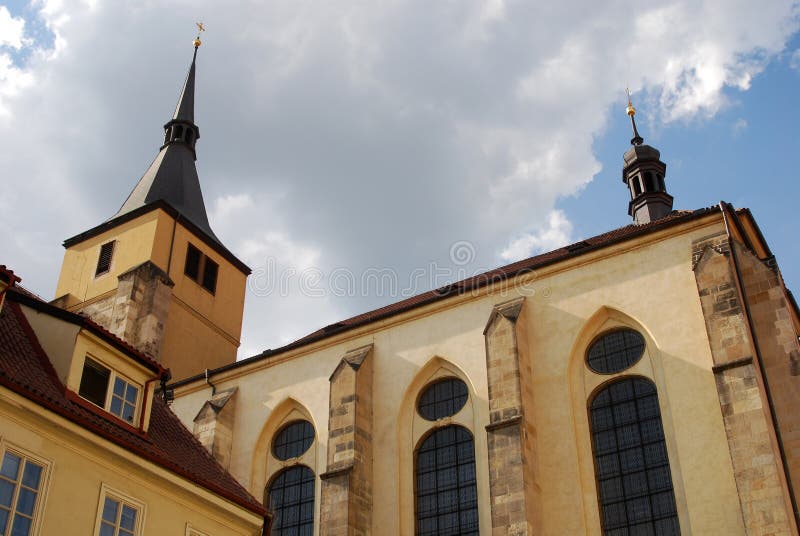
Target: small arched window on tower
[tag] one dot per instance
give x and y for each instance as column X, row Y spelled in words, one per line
column 649, row 184
column 189, row 135
column 637, row 189
column 178, row 133
column 661, row 185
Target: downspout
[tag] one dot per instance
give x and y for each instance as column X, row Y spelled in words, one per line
column 208, row 381
column 172, row 243
column 762, row 376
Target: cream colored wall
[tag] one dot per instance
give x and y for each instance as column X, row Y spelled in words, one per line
column 652, row 284
column 57, row 338
column 81, row 463
column 134, row 246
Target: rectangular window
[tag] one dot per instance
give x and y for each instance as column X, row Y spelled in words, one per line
column 210, row 275
column 123, row 399
column 94, row 382
column 21, row 484
column 104, row 259
column 193, row 258
column 118, row 515
column 201, row 269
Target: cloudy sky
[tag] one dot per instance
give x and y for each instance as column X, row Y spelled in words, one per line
column 355, row 153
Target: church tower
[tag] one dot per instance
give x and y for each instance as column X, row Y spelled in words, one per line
column 643, row 173
column 155, row 274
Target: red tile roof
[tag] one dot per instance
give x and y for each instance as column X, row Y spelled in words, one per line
column 471, row 284
column 26, row 370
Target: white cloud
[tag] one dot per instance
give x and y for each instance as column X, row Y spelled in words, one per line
column 12, row 29
column 352, row 134
column 557, row 232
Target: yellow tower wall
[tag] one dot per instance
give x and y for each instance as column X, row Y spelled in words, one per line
column 200, row 329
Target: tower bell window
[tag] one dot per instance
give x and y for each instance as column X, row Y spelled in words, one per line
column 104, row 259
column 201, row 269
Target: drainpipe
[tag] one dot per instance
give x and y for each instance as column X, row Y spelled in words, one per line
column 761, row 373
column 208, row 381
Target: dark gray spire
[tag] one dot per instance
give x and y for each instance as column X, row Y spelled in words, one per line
column 172, row 177
column 643, row 173
column 184, row 111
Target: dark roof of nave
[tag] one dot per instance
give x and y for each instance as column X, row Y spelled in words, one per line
column 26, row 370
column 471, row 284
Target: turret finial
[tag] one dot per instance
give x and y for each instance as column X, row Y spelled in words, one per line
column 631, row 111
column 200, row 28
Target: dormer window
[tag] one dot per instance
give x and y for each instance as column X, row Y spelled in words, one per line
column 201, row 269
column 104, row 259
column 121, row 400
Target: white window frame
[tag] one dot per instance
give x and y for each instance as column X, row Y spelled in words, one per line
column 44, row 484
column 107, row 491
column 112, row 377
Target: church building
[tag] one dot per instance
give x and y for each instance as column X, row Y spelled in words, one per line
column 644, row 381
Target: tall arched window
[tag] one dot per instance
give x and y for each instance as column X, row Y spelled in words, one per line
column 291, row 501
column 631, row 463
column 445, row 489
column 290, row 496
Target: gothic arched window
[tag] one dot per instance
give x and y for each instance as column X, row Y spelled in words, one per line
column 631, row 463
column 615, row 351
column 445, row 489
column 293, row 440
column 443, row 398
column 291, row 500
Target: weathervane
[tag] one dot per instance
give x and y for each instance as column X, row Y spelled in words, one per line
column 631, row 111
column 200, row 28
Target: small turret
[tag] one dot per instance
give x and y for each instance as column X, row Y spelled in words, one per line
column 643, row 173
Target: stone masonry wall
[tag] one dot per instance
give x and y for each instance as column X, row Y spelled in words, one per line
column 346, row 508
column 757, row 468
column 780, row 354
column 141, row 306
column 213, row 425
column 511, row 433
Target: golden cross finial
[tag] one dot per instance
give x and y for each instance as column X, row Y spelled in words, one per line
column 200, row 28
column 630, row 110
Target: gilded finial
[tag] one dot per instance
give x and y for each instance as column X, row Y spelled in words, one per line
column 200, row 28
column 630, row 110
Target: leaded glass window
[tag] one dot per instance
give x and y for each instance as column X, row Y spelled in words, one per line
column 615, row 351
column 293, row 440
column 442, row 399
column 291, row 501
column 631, row 463
column 445, row 489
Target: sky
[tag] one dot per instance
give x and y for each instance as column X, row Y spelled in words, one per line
column 354, row 154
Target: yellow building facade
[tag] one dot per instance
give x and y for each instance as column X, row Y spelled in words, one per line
column 88, row 447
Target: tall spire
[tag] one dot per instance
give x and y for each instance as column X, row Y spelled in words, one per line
column 643, row 173
column 172, row 177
